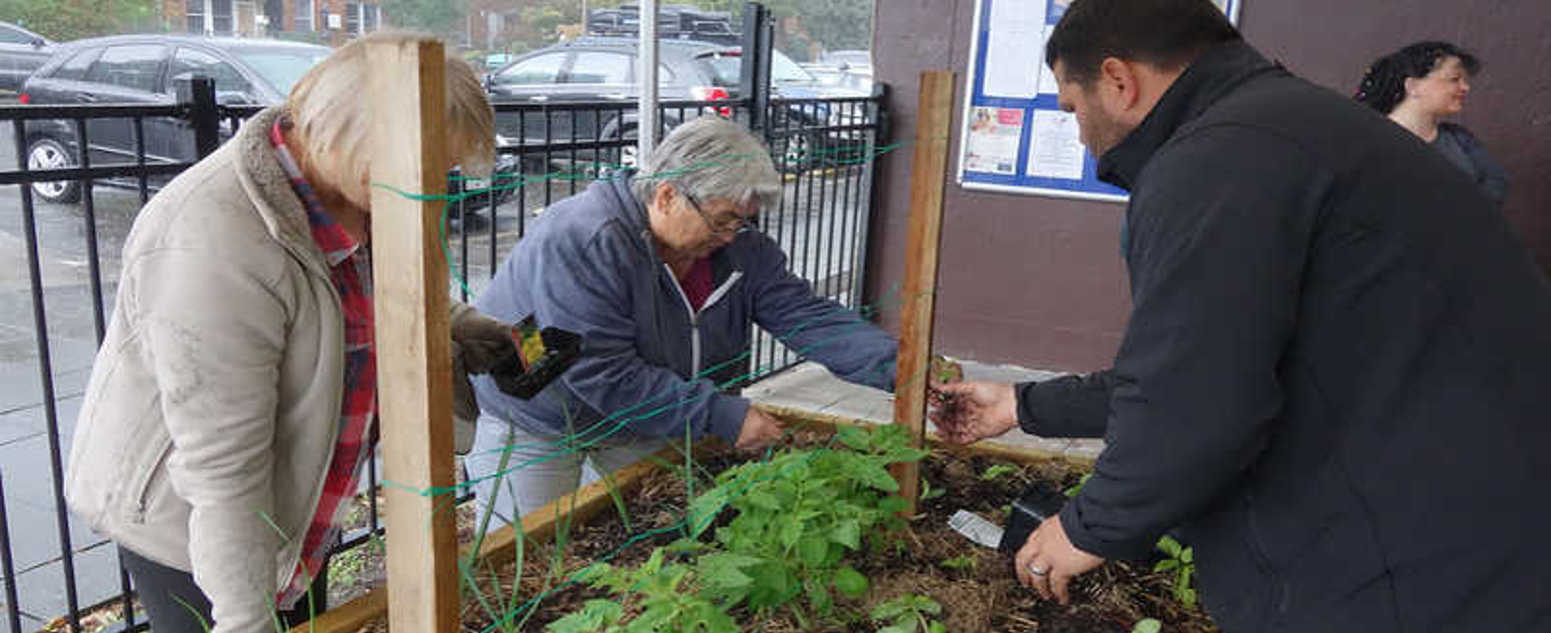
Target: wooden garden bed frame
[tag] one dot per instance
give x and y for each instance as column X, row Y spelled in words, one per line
column 500, row 545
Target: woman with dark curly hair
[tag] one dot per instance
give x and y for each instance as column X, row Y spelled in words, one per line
column 1420, row 85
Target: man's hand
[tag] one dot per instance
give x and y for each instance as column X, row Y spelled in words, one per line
column 1049, row 561
column 759, row 430
column 968, row 412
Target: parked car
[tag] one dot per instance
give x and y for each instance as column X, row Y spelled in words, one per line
column 146, row 70
column 21, row 53
column 603, row 69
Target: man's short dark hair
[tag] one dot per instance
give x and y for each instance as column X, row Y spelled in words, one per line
column 1168, row 34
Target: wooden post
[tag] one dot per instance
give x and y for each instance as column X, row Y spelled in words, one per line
column 414, row 362
column 928, row 173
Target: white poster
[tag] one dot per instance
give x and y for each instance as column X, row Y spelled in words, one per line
column 1057, row 150
column 1047, row 77
column 992, row 145
column 1011, row 70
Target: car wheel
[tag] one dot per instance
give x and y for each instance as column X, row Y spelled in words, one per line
column 795, row 154
column 629, row 154
column 44, row 152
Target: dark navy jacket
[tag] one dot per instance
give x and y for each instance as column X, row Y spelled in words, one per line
column 1336, row 376
column 650, row 366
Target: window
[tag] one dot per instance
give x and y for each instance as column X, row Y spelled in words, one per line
column 194, row 10
column 74, row 69
column 280, row 68
column 353, row 18
column 132, row 66
column 301, row 19
column 221, row 12
column 9, row 35
column 371, row 16
column 544, row 69
column 599, row 68
column 190, row 61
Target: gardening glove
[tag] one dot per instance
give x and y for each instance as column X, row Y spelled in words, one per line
column 479, row 344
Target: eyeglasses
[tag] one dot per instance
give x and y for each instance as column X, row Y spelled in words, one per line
column 727, row 226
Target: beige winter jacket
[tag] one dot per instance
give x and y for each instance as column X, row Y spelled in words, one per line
column 212, row 410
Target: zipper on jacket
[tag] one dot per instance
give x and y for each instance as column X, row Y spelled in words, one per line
column 694, row 315
column 143, row 488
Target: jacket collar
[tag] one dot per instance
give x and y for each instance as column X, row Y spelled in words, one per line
column 269, row 188
column 1215, row 73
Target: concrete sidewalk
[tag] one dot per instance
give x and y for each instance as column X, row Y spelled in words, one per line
column 811, row 387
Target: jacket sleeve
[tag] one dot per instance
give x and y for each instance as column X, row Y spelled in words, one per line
column 215, row 337
column 583, row 287
column 816, row 328
column 1067, row 406
column 1220, row 234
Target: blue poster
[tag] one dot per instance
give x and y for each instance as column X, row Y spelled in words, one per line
column 1015, row 137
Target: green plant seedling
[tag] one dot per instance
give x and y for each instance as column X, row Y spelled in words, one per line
column 997, row 471
column 1147, row 625
column 909, row 614
column 1180, row 561
column 967, row 561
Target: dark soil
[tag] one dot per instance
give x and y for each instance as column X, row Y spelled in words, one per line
column 976, row 588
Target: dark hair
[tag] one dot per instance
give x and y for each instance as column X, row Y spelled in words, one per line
column 1384, row 85
column 1169, row 34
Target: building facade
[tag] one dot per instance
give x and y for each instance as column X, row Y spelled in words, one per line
column 323, row 21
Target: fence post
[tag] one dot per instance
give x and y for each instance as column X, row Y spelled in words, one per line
column 198, row 95
column 754, row 79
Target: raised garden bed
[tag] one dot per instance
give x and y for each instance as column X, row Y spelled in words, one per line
column 905, row 573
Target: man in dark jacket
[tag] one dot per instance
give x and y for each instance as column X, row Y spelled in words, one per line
column 1331, row 378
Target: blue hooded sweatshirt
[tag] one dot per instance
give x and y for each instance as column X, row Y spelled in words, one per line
column 650, row 365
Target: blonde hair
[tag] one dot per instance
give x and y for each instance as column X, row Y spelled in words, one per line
column 328, row 107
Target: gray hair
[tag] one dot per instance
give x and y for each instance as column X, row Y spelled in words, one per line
column 714, row 159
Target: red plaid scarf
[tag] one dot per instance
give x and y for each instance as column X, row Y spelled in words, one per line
column 351, row 270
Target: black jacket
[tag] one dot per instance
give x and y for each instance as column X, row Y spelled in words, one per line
column 1467, row 153
column 1334, row 374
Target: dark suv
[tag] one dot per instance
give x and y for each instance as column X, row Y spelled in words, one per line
column 145, row 69
column 594, row 69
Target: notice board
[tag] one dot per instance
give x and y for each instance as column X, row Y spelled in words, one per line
column 1015, row 138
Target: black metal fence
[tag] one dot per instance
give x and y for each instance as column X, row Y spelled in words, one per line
column 824, row 148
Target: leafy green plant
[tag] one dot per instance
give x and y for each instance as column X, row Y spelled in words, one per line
column 908, row 614
column 997, row 471
column 1181, row 561
column 659, row 599
column 798, row 515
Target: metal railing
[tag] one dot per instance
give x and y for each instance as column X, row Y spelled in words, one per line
column 824, row 147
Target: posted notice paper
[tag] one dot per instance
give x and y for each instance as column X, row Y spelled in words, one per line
column 992, row 145
column 1056, row 149
column 1011, row 67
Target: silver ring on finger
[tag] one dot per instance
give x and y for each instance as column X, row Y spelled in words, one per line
column 1034, row 569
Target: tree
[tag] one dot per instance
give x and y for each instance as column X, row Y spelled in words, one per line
column 834, row 24
column 63, row 20
column 442, row 18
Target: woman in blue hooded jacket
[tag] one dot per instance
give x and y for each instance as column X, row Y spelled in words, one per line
column 663, row 275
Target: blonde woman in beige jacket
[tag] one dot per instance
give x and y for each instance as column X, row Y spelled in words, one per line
column 231, row 404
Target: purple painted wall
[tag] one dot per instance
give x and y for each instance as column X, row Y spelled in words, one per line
column 1039, row 282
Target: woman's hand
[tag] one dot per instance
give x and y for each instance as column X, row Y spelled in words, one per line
column 760, row 429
